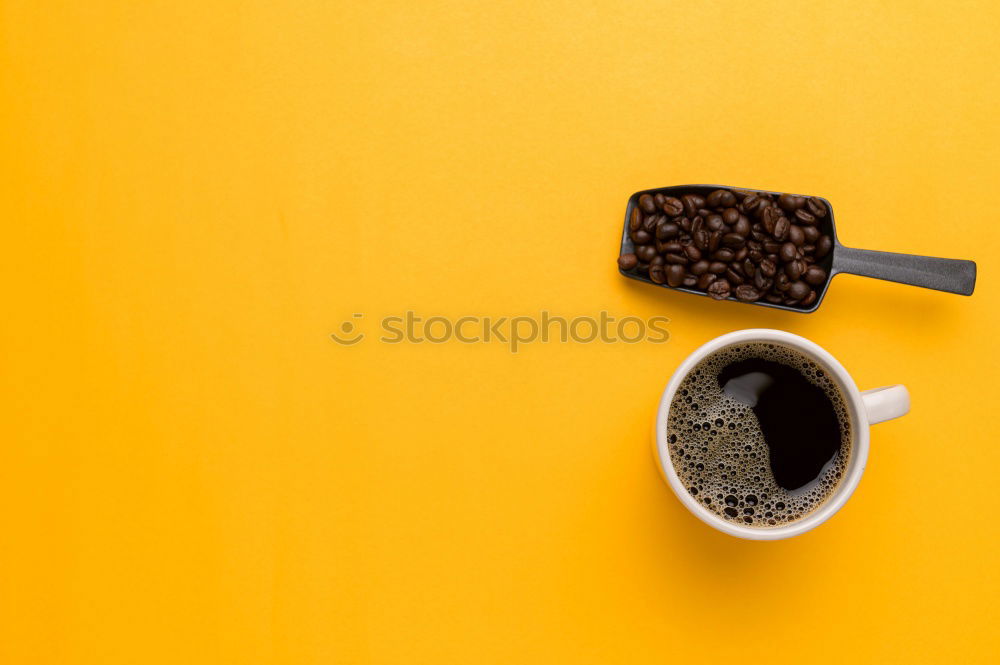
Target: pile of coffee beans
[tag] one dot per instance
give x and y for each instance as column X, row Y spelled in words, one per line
column 732, row 243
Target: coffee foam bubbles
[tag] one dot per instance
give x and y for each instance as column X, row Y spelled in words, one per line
column 717, row 449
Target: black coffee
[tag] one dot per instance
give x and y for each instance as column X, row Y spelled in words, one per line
column 759, row 434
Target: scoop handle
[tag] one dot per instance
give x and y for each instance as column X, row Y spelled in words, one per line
column 951, row 275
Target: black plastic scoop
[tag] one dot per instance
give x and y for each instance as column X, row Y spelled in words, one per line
column 951, row 275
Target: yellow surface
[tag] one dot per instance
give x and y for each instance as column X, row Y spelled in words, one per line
column 194, row 195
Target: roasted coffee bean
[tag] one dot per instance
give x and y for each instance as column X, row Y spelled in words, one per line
column 742, row 226
column 641, row 237
column 814, row 275
column 788, row 252
column 772, row 247
column 794, row 269
column 758, row 235
column 719, row 289
column 696, row 224
column 675, row 275
column 724, row 254
column 659, row 199
column 635, row 219
column 714, row 222
column 706, row 279
column 741, row 254
column 717, row 267
column 781, row 227
column 676, row 259
column 730, row 215
column 773, row 297
column 805, row 217
column 798, row 290
column 689, row 281
column 796, row 235
column 733, row 240
column 645, row 253
column 628, row 261
column 700, row 238
column 748, row 267
column 685, row 223
column 781, row 281
column 816, row 207
column 647, row 204
column 791, row 202
column 704, row 212
column 734, row 277
column 657, row 274
column 762, row 283
column 714, row 240
column 755, row 254
column 750, row 202
column 823, row 246
column 700, row 267
column 811, row 233
column 672, row 206
column 657, row 261
column 693, row 253
column 666, row 230
column 769, row 217
column 670, row 246
column 692, row 203
column 768, row 268
column 650, row 223
column 720, row 198
column 747, row 293
column 809, row 299
column 808, row 251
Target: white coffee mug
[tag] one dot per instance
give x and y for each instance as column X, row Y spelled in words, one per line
column 864, row 408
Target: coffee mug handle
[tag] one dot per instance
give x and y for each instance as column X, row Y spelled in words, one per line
column 886, row 403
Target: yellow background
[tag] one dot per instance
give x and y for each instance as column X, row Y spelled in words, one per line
column 194, row 195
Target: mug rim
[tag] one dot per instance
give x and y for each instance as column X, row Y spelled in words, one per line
column 859, row 439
